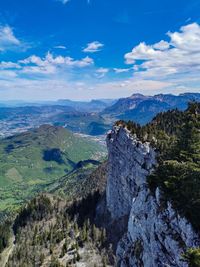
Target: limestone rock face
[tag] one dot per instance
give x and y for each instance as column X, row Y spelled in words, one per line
column 156, row 235
column 129, row 162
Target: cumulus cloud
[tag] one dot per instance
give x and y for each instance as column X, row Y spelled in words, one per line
column 93, row 47
column 50, row 64
column 8, row 40
column 162, row 45
column 179, row 56
column 141, row 52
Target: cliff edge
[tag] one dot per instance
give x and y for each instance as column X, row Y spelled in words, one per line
column 156, row 234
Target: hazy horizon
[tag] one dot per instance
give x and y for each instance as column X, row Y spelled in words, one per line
column 85, row 100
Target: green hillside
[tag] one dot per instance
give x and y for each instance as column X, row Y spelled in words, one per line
column 86, row 178
column 31, row 160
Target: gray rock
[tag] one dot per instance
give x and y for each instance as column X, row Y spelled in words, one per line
column 156, row 235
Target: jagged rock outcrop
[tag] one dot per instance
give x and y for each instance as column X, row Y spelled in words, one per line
column 156, row 235
column 129, row 163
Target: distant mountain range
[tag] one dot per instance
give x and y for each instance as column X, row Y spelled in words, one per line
column 142, row 109
column 91, row 106
column 83, row 106
column 95, row 117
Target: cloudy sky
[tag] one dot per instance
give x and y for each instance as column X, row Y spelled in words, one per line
column 86, row 49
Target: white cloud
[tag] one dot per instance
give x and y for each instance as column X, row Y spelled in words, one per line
column 32, row 59
column 164, row 60
column 60, row 47
column 162, row 45
column 9, row 65
column 101, row 72
column 8, row 41
column 50, row 64
column 93, row 47
column 48, row 69
column 119, row 70
column 64, row 1
column 188, row 39
column 141, row 52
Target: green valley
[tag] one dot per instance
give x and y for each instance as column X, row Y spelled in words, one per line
column 30, row 161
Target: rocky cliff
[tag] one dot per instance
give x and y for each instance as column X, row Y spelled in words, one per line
column 156, row 235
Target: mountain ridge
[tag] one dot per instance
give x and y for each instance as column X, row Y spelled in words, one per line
column 142, row 109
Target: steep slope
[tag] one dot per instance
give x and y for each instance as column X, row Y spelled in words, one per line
column 125, row 104
column 55, row 231
column 162, row 221
column 31, row 160
column 87, row 177
column 179, row 101
column 145, row 111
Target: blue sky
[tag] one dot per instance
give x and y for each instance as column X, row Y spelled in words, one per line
column 86, row 49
